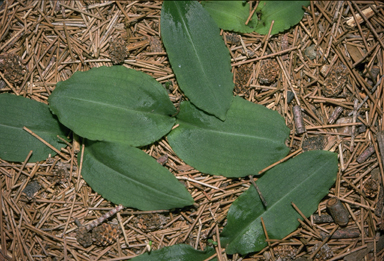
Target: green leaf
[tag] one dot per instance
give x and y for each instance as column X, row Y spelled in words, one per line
column 114, row 104
column 284, row 13
column 303, row 180
column 15, row 143
column 250, row 139
column 231, row 15
column 128, row 176
column 180, row 252
column 198, row 56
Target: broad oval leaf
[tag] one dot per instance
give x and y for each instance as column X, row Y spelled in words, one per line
column 284, row 13
column 250, row 139
column 231, row 15
column 303, row 180
column 180, row 252
column 198, row 55
column 15, row 143
column 114, row 104
column 128, row 176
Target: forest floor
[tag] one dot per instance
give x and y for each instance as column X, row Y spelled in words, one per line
column 331, row 63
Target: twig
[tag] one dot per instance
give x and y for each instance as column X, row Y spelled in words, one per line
column 46, row 143
column 265, row 56
column 201, row 183
column 353, row 126
column 103, row 217
column 258, row 190
column 267, row 237
column 366, row 97
column 251, row 14
column 282, row 160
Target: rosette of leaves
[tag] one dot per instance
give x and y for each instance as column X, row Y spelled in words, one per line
column 115, row 109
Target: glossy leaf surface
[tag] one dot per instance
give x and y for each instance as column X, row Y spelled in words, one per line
column 15, row 143
column 114, row 104
column 128, row 176
column 303, row 180
column 284, row 13
column 231, row 15
column 198, row 55
column 250, row 139
column 180, row 252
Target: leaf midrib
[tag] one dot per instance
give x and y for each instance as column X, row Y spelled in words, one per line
column 21, row 128
column 242, row 232
column 274, row 141
column 198, row 57
column 135, row 181
column 108, row 105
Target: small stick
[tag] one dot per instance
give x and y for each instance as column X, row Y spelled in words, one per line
column 305, row 219
column 298, row 118
column 352, row 202
column 219, row 250
column 353, row 126
column 348, row 253
column 80, row 167
column 199, row 213
column 265, row 56
column 334, row 126
column 380, row 142
column 335, row 114
column 338, row 211
column 325, row 240
column 282, row 160
column 9, row 84
column 324, row 218
column 365, row 154
column 343, row 234
column 46, row 143
column 16, row 177
column 122, row 229
column 369, row 25
column 80, row 11
column 258, row 190
column 98, row 221
column 201, row 183
column 266, row 235
column 2, row 233
column 251, row 14
column 341, row 157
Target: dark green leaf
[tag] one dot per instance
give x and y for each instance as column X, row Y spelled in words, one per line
column 250, row 139
column 284, row 13
column 198, row 55
column 181, row 252
column 128, row 176
column 303, row 180
column 231, row 15
column 15, row 143
column 114, row 104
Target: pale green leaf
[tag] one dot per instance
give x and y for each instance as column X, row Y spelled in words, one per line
column 180, row 252
column 303, row 180
column 198, row 56
column 15, row 143
column 114, row 104
column 231, row 15
column 285, row 14
column 128, row 176
column 250, row 139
